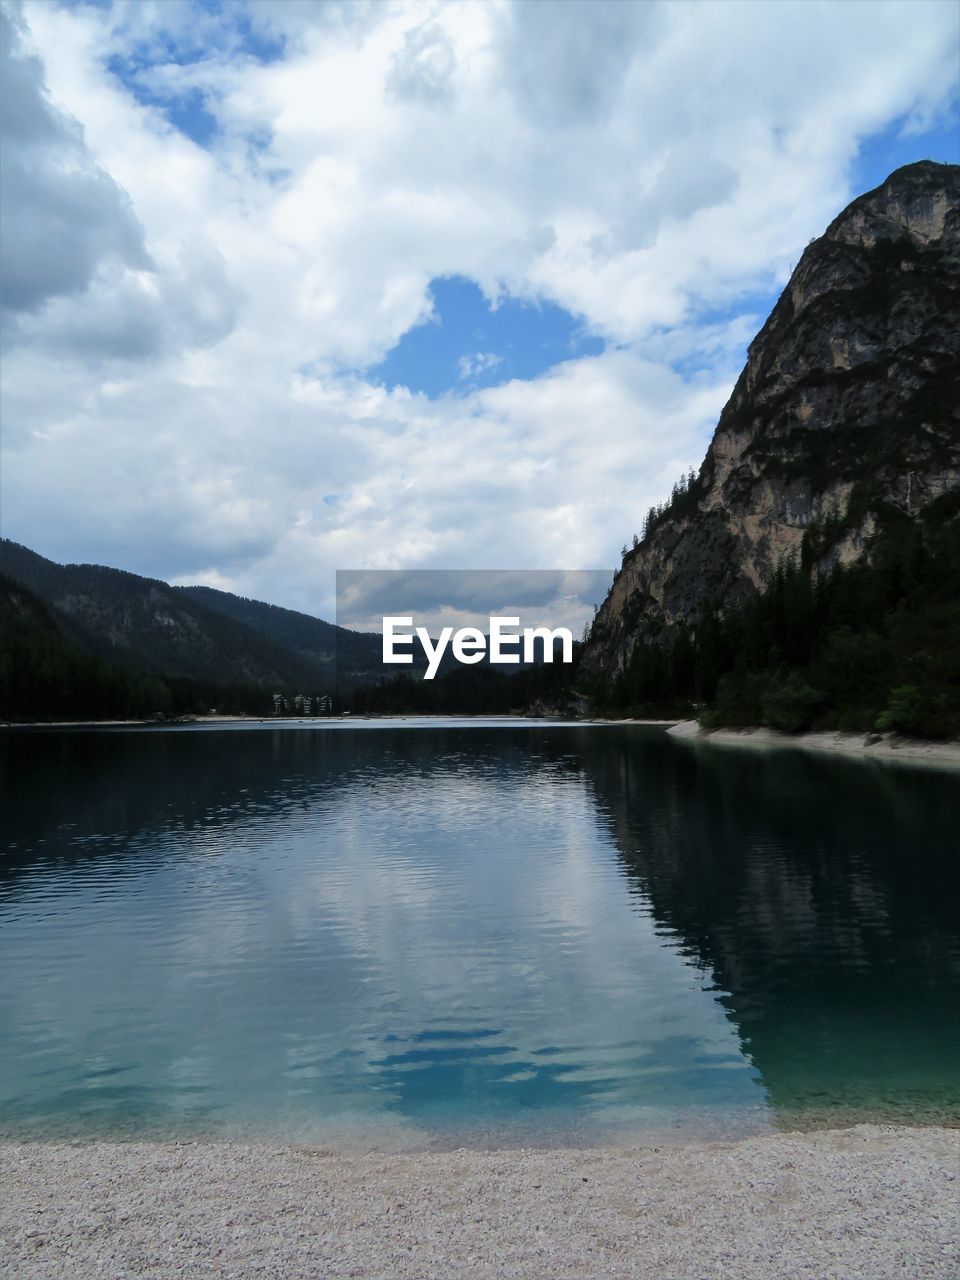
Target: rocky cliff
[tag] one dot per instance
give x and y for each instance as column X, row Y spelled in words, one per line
column 846, row 416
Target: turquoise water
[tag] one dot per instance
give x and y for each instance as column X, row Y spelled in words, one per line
column 468, row 932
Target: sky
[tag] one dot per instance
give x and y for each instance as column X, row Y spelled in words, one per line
column 438, row 598
column 293, row 287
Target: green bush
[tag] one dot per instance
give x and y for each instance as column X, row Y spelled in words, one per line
column 791, row 704
column 923, row 713
column 739, row 701
column 903, row 709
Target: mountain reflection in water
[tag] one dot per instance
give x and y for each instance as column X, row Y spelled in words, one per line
column 469, row 933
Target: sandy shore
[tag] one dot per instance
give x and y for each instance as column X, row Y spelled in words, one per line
column 866, row 1202
column 889, row 746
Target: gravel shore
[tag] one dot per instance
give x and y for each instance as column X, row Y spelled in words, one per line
column 869, row 1202
column 888, row 746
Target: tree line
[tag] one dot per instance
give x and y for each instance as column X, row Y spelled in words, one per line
column 874, row 645
column 46, row 676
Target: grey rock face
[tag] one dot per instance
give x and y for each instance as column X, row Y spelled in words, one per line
column 846, row 415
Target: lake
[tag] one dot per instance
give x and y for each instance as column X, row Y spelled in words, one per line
column 469, row 932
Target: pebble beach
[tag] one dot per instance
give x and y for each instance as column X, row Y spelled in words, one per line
column 871, row 1201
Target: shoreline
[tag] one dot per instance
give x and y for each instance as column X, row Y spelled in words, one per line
column 884, row 747
column 268, row 722
column 872, row 1200
column 315, row 721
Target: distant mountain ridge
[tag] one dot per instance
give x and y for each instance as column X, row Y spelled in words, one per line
column 82, row 641
column 186, row 632
column 311, row 639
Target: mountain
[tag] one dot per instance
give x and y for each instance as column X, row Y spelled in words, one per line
column 144, row 623
column 843, row 428
column 112, row 630
column 311, row 638
column 43, row 675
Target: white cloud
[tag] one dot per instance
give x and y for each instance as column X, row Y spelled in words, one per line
column 479, row 362
column 64, row 218
column 634, row 163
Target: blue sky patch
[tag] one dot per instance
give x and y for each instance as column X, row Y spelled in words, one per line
column 187, row 110
column 891, row 148
column 469, row 343
column 188, row 113
column 877, row 157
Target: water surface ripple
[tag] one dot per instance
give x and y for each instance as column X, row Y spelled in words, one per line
column 468, row 933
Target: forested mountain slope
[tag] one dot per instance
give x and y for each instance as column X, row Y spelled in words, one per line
column 844, row 422
column 809, row 573
column 145, row 623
